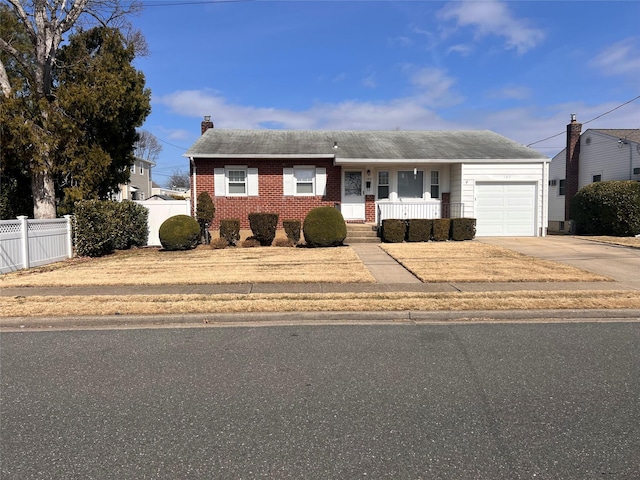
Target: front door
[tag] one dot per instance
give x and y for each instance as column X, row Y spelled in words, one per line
column 353, row 195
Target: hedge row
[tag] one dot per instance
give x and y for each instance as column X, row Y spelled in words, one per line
column 102, row 226
column 424, row 230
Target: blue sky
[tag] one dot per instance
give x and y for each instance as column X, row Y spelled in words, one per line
column 518, row 68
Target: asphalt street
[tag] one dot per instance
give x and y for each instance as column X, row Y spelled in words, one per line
column 480, row 401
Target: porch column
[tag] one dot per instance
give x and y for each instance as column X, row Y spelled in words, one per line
column 370, row 208
column 446, row 205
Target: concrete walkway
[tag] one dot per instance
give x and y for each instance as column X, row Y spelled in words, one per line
column 383, row 267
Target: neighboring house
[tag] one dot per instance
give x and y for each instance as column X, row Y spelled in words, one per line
column 592, row 156
column 139, row 186
column 373, row 175
column 174, row 193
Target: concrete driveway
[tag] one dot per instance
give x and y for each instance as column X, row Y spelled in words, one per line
column 620, row 263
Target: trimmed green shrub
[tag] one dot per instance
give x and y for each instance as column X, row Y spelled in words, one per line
column 607, row 208
column 441, row 228
column 205, row 211
column 393, row 230
column 263, row 226
column 129, row 225
column 324, row 227
column 292, row 229
column 463, row 229
column 102, row 226
column 92, row 229
column 419, row 230
column 230, row 230
column 180, row 232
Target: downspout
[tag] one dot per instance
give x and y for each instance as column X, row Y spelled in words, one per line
column 193, row 189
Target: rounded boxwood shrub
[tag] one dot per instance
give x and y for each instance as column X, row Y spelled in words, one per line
column 180, row 232
column 441, row 228
column 324, row 227
column 607, row 208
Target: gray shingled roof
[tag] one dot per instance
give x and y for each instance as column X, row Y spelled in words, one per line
column 632, row 134
column 360, row 144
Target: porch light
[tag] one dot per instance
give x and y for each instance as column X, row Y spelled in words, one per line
column 415, row 172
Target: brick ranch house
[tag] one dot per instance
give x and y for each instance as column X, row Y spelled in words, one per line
column 373, row 175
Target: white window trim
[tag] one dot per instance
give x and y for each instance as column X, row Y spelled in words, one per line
column 431, row 184
column 221, row 181
column 290, row 183
column 378, row 184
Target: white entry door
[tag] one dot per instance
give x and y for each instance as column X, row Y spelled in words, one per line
column 353, row 195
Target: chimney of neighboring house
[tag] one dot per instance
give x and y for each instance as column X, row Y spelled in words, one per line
column 206, row 124
column 572, row 164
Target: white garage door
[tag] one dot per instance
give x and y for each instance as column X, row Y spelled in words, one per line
column 505, row 209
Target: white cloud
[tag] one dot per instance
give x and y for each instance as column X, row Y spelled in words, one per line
column 370, row 81
column 461, row 49
column 493, row 17
column 621, row 58
column 434, row 86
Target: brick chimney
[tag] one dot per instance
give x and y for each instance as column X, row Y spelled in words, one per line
column 206, row 124
column 572, row 164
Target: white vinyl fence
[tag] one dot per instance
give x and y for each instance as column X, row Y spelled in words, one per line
column 159, row 211
column 28, row 243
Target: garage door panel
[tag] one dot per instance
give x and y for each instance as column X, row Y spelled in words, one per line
column 505, row 209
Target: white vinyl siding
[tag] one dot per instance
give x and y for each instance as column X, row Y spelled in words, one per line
column 509, row 176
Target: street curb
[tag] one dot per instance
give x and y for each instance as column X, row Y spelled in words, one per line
column 316, row 318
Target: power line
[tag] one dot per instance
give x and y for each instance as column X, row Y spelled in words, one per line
column 588, row 121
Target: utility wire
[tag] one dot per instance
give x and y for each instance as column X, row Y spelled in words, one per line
column 588, row 121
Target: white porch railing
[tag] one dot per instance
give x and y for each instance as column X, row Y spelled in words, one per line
column 30, row 243
column 413, row 210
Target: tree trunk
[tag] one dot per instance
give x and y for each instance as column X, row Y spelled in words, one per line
column 44, row 195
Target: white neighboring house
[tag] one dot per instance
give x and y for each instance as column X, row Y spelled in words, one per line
column 593, row 156
column 140, row 184
column 170, row 192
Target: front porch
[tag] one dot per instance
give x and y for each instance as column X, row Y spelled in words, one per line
column 414, row 209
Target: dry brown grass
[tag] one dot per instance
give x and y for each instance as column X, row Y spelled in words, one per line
column 435, row 262
column 52, row 306
column 200, row 266
column 633, row 242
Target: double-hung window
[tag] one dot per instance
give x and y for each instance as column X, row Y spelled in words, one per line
column 236, row 182
column 133, row 168
column 383, row 184
column 435, row 184
column 305, row 180
column 561, row 187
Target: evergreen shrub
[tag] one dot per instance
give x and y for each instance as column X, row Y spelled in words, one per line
column 263, row 226
column 463, row 229
column 130, row 224
column 441, row 228
column 230, row 230
column 92, row 229
column 607, row 208
column 180, row 232
column 292, row 229
column 205, row 211
column 393, row 230
column 324, row 227
column 419, row 230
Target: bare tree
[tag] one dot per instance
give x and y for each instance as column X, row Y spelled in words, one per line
column 179, row 179
column 46, row 22
column 147, row 147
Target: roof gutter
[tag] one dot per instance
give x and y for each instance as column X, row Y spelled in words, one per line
column 353, row 161
column 258, row 155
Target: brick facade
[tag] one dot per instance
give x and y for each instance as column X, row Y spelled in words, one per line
column 271, row 198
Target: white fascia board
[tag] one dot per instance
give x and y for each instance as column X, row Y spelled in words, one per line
column 399, row 161
column 259, row 155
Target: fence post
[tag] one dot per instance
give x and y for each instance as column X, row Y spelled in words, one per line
column 24, row 240
column 69, row 236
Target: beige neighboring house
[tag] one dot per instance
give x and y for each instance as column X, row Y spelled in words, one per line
column 169, row 192
column 595, row 155
column 140, row 184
